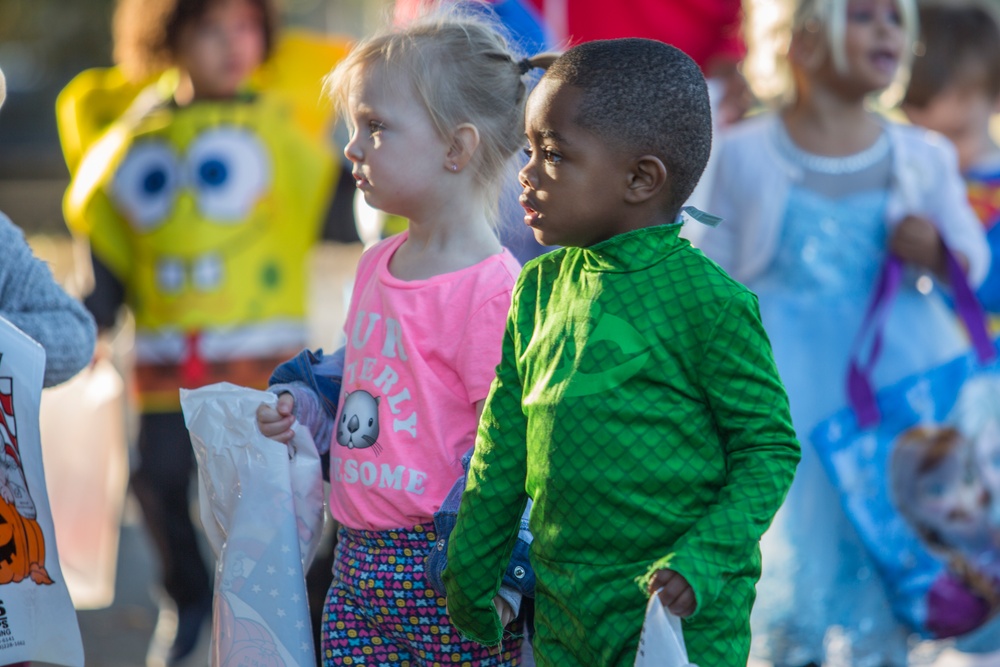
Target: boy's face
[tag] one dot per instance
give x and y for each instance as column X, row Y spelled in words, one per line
column 957, row 111
column 222, row 48
column 574, row 182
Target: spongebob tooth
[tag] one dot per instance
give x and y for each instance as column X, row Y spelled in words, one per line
column 170, row 275
column 206, row 272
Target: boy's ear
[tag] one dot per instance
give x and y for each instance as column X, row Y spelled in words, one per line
column 646, row 179
column 463, row 145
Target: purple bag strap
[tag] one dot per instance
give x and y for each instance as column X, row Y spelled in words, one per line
column 860, row 391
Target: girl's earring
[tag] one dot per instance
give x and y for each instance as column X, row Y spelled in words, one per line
column 454, row 167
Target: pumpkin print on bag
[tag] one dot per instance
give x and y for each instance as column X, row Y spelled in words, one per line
column 22, row 548
column 22, row 545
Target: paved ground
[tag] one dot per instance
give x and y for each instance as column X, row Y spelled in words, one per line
column 118, row 636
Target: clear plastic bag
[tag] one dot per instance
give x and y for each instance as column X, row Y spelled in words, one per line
column 262, row 508
column 661, row 643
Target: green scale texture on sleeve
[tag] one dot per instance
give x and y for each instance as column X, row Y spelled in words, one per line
column 638, row 404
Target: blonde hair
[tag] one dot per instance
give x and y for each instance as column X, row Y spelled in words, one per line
column 463, row 70
column 773, row 23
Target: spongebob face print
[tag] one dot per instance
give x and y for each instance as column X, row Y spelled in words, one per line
column 206, row 213
column 225, row 171
column 226, row 168
column 358, row 427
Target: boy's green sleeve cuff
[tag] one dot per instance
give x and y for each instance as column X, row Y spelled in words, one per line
column 481, row 625
column 672, row 562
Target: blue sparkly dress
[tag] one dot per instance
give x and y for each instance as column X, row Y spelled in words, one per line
column 820, row 599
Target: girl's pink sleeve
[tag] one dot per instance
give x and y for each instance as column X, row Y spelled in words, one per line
column 479, row 351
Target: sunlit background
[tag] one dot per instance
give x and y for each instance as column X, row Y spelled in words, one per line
column 45, row 43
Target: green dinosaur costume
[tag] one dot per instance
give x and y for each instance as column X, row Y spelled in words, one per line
column 638, row 404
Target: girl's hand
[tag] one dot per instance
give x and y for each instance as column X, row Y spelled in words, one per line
column 737, row 98
column 917, row 241
column 276, row 423
column 676, row 593
column 504, row 610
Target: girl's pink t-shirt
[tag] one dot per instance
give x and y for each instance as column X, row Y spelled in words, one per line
column 419, row 355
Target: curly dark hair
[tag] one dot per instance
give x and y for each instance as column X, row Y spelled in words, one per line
column 146, row 32
column 647, row 96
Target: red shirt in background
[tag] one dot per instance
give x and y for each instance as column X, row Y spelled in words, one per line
column 706, row 30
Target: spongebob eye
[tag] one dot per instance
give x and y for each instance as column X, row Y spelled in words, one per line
column 229, row 169
column 145, row 184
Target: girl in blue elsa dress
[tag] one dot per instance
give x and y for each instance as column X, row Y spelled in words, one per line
column 813, row 197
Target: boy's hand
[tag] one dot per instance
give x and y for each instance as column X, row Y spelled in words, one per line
column 276, row 423
column 917, row 241
column 504, row 610
column 676, row 594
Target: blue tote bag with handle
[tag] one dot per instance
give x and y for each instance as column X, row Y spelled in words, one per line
column 917, row 466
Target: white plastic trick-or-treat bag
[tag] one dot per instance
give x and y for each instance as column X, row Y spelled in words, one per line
column 37, row 619
column 661, row 643
column 262, row 508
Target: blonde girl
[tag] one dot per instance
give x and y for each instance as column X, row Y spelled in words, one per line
column 815, row 195
column 435, row 110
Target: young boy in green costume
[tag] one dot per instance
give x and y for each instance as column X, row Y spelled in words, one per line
column 637, row 402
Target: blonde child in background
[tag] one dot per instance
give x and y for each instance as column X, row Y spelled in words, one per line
column 814, row 196
column 954, row 89
column 201, row 204
column 435, row 110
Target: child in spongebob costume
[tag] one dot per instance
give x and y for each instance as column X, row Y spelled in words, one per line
column 200, row 216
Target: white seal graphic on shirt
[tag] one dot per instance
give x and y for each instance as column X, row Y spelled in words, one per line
column 358, row 427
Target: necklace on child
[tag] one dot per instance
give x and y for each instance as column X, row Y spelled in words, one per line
column 826, row 164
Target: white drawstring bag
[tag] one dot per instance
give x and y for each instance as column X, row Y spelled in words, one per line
column 262, row 509
column 37, row 619
column 661, row 643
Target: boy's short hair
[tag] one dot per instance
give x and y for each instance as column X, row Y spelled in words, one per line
column 146, row 32
column 960, row 45
column 648, row 97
